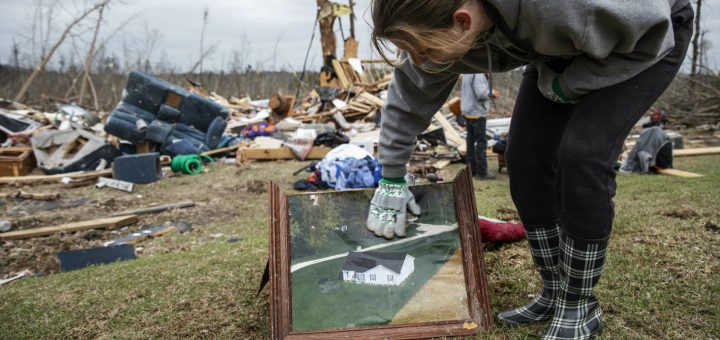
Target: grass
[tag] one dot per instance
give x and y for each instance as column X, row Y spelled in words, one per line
column 661, row 278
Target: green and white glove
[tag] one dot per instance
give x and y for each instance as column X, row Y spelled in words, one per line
column 389, row 207
column 549, row 85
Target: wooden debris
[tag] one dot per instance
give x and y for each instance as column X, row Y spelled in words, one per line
column 83, row 175
column 246, row 154
column 18, row 161
column 31, row 196
column 678, row 173
column 221, row 150
column 696, row 152
column 103, row 223
column 161, row 208
column 441, row 164
column 451, row 135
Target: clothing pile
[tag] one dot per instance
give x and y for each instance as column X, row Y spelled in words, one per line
column 345, row 167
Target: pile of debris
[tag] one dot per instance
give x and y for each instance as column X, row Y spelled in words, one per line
column 159, row 129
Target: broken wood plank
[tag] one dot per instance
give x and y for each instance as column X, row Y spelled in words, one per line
column 103, row 223
column 450, row 133
column 678, row 173
column 696, row 152
column 441, row 164
column 341, row 74
column 372, row 99
column 221, row 150
column 31, row 196
column 55, row 178
column 160, row 208
column 246, row 154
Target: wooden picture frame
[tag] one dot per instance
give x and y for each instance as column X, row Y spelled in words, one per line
column 479, row 314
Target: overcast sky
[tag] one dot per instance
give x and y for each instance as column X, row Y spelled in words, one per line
column 251, row 29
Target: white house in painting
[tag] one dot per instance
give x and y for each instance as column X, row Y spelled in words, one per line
column 377, row 268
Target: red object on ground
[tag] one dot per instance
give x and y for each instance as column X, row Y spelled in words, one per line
column 492, row 230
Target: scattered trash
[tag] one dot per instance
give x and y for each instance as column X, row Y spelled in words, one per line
column 5, row 225
column 115, row 184
column 20, row 275
column 497, row 231
column 142, row 235
column 78, row 259
column 142, row 168
column 70, row 150
column 189, row 164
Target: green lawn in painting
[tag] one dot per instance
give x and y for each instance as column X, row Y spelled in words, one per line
column 351, row 304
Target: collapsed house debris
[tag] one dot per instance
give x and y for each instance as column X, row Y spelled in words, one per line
column 159, row 129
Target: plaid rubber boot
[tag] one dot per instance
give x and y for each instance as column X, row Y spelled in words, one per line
column 577, row 310
column 543, row 242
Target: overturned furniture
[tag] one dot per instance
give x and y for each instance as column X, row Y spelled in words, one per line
column 71, row 150
column 153, row 110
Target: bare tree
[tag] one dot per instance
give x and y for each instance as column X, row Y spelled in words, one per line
column 88, row 63
column 47, row 56
column 16, row 55
column 206, row 13
column 275, row 49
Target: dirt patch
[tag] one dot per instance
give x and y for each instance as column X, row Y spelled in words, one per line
column 711, row 227
column 681, row 212
column 507, row 214
column 221, row 195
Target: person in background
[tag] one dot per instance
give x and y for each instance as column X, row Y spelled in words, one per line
column 475, row 96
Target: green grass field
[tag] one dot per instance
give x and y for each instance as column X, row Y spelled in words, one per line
column 662, row 278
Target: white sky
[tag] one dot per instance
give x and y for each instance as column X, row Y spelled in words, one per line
column 261, row 24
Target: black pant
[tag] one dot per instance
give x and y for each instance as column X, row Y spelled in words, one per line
column 476, row 142
column 560, row 158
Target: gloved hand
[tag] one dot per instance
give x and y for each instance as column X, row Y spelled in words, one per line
column 389, row 206
column 549, row 85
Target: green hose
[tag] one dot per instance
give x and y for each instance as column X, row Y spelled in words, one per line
column 189, row 164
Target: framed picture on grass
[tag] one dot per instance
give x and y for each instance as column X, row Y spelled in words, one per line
column 331, row 278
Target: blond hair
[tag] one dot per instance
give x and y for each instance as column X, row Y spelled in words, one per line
column 415, row 26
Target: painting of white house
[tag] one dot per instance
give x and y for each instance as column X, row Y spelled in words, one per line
column 377, row 268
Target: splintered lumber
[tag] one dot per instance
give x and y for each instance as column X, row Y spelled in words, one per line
column 221, row 150
column 341, row 75
column 372, row 99
column 56, row 178
column 160, row 208
column 441, row 164
column 245, row 154
column 103, row 223
column 678, row 173
column 450, row 133
column 696, row 152
column 31, row 196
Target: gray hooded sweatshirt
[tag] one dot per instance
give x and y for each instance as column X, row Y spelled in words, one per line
column 597, row 43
